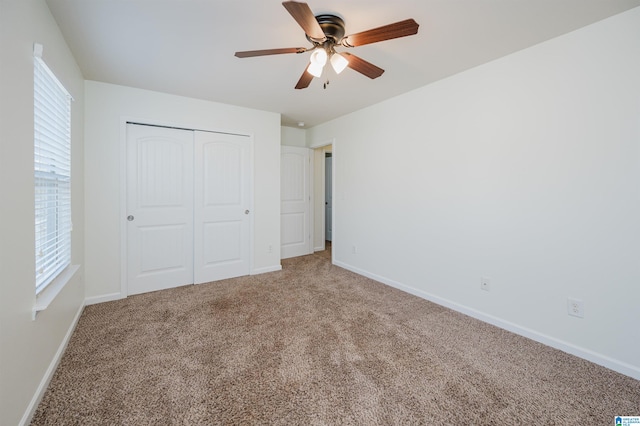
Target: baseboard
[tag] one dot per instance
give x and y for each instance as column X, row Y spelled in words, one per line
column 104, row 298
column 44, row 383
column 259, row 271
column 117, row 296
column 321, row 248
column 580, row 352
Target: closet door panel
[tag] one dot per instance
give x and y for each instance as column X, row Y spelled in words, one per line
column 159, row 208
column 222, row 206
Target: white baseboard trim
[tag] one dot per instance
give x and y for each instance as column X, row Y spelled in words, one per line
column 258, row 271
column 44, row 383
column 104, row 298
column 321, row 248
column 589, row 355
column 117, row 296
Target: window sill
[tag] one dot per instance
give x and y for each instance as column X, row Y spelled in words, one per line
column 46, row 296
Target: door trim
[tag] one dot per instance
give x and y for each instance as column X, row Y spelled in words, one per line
column 314, row 146
column 124, row 120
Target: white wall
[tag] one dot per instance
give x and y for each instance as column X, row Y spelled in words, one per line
column 107, row 106
column 30, row 348
column 525, row 170
column 292, row 136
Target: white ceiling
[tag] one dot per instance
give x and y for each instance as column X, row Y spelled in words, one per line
column 186, row 47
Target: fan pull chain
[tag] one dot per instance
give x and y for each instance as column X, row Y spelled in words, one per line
column 326, row 84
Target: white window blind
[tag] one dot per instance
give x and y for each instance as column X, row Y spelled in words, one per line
column 52, row 167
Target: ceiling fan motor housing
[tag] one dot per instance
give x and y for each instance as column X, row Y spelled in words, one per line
column 332, row 26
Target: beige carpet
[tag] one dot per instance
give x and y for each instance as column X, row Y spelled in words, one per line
column 315, row 344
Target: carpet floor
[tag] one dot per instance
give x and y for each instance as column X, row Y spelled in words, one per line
column 315, row 344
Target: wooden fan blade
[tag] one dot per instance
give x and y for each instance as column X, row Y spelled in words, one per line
column 362, row 66
column 399, row 29
column 251, row 53
column 305, row 18
column 305, row 80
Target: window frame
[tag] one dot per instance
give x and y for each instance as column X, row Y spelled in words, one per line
column 52, row 181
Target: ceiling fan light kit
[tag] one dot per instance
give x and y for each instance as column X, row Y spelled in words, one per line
column 338, row 62
column 325, row 32
column 315, row 69
column 316, row 62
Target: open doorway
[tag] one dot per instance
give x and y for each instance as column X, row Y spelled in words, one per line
column 323, row 197
column 328, row 196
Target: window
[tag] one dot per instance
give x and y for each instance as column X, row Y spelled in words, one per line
column 52, row 168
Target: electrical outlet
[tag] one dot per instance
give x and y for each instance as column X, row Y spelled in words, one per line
column 270, row 249
column 575, row 307
column 485, row 284
column 354, row 249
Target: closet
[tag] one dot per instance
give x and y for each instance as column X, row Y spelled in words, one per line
column 188, row 207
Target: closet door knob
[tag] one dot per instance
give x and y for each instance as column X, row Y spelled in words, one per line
column 130, row 218
column 246, row 212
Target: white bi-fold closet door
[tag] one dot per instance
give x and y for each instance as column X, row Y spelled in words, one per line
column 188, row 207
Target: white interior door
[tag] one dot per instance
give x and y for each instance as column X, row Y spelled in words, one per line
column 295, row 211
column 328, row 197
column 159, row 208
column 222, row 209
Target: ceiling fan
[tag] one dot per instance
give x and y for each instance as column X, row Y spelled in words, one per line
column 326, row 32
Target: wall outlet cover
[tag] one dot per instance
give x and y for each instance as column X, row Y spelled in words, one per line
column 575, row 307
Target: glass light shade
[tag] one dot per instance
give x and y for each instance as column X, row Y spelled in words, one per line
column 338, row 62
column 315, row 69
column 319, row 56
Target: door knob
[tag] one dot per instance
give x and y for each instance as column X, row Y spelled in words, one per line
column 130, row 218
column 246, row 212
